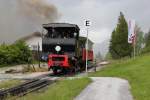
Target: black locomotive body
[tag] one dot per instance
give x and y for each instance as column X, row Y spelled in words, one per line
column 64, row 48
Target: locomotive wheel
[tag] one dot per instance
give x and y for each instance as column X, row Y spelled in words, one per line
column 49, row 69
column 55, row 71
column 65, row 71
column 70, row 71
column 74, row 70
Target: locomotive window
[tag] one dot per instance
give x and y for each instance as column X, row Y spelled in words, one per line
column 58, row 58
column 61, row 33
column 69, row 48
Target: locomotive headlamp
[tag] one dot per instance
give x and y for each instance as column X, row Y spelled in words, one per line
column 57, row 48
column 75, row 34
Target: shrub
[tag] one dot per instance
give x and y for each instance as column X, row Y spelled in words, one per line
column 16, row 53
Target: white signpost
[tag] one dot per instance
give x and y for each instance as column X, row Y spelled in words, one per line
column 87, row 24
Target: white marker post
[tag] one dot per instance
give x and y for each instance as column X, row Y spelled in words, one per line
column 87, row 24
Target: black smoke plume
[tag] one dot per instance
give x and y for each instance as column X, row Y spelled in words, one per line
column 19, row 18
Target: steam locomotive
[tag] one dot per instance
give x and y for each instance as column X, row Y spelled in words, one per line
column 64, row 47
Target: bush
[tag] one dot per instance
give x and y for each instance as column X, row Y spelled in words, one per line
column 146, row 49
column 24, row 52
column 16, row 53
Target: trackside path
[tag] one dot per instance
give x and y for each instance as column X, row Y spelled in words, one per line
column 106, row 88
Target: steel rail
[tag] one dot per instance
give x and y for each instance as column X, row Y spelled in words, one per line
column 25, row 88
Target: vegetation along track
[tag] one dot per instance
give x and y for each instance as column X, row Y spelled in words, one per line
column 25, row 88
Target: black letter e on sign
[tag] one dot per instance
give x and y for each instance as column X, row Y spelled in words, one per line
column 87, row 23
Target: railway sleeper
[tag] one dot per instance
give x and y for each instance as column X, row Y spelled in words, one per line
column 3, row 94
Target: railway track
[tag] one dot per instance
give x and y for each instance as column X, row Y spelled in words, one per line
column 32, row 85
column 25, row 88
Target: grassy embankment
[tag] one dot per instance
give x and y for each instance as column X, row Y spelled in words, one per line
column 9, row 83
column 62, row 90
column 14, row 64
column 136, row 71
column 7, row 65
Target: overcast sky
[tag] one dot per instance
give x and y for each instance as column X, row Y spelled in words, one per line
column 103, row 14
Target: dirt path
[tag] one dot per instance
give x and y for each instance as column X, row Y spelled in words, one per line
column 20, row 75
column 106, row 88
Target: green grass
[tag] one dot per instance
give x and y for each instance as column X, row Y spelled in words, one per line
column 7, row 65
column 61, row 90
column 9, row 83
column 136, row 71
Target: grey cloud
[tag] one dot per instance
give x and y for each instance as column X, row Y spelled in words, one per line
column 104, row 14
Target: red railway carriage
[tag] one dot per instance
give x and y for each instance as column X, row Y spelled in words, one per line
column 82, row 43
column 64, row 48
column 90, row 55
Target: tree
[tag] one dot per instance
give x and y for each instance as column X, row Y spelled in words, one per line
column 119, row 46
column 147, row 39
column 3, row 53
column 147, row 42
column 112, row 48
column 139, row 40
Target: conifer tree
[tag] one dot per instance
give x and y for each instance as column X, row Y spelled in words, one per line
column 147, row 39
column 119, row 46
column 139, row 40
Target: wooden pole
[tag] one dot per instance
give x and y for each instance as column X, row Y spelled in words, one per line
column 39, row 55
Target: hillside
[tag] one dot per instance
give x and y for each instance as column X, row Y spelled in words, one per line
column 136, row 71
